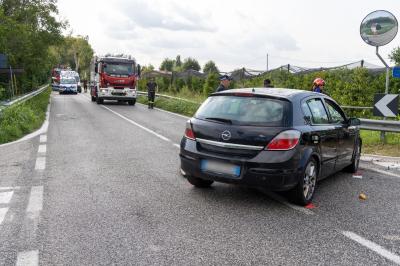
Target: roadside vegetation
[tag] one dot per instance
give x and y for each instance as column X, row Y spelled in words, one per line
column 373, row 145
column 21, row 119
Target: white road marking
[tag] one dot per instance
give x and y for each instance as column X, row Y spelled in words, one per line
column 3, row 213
column 28, row 258
column 43, row 138
column 42, row 148
column 35, row 200
column 40, row 163
column 177, row 145
column 382, row 172
column 138, row 125
column 8, row 188
column 372, row 246
column 5, row 197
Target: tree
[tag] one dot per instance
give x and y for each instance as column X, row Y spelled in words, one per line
column 27, row 29
column 167, row 64
column 395, row 56
column 210, row 67
column 191, row 64
column 74, row 52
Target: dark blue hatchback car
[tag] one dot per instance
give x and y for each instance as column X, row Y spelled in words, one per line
column 279, row 139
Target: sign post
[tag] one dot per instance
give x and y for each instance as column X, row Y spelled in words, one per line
column 379, row 28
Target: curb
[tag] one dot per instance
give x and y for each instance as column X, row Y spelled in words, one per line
column 379, row 158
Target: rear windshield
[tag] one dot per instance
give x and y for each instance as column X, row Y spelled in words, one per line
column 244, row 110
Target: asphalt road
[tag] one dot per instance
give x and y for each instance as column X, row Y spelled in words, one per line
column 103, row 187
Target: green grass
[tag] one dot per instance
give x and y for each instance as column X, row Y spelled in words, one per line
column 373, row 145
column 21, row 119
column 172, row 105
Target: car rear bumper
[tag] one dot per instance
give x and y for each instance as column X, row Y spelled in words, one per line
column 275, row 170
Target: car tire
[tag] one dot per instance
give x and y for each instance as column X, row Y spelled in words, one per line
column 99, row 101
column 198, row 182
column 132, row 102
column 304, row 191
column 353, row 167
column 93, row 99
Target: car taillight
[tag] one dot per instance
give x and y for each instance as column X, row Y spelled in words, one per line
column 285, row 140
column 189, row 132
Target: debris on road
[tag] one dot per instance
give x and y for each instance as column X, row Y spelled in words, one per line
column 310, row 206
column 362, row 196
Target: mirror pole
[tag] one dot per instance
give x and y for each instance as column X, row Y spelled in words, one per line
column 387, row 70
column 386, row 86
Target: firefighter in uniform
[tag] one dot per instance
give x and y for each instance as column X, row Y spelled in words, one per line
column 225, row 81
column 151, row 92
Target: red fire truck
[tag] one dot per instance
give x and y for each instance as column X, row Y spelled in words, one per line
column 114, row 78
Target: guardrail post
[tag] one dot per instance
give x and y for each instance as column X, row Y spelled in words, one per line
column 383, row 138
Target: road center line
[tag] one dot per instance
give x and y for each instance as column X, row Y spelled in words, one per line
column 3, row 213
column 43, row 138
column 138, row 125
column 372, row 246
column 5, row 197
column 28, row 258
column 40, row 163
column 42, row 148
column 35, row 200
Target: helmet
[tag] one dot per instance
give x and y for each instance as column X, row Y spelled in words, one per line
column 319, row 82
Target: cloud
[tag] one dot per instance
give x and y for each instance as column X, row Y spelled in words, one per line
column 179, row 19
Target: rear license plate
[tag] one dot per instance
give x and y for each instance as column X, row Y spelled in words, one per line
column 118, row 93
column 220, row 168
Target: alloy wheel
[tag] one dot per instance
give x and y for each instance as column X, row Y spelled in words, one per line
column 309, row 181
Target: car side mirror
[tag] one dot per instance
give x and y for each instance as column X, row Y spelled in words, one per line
column 353, row 121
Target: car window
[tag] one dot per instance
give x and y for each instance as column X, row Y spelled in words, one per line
column 318, row 112
column 244, row 110
column 335, row 112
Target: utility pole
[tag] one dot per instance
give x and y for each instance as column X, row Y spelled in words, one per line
column 267, row 62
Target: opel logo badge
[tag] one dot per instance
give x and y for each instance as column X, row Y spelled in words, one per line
column 226, row 135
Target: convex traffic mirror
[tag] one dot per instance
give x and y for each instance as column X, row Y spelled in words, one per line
column 379, row 28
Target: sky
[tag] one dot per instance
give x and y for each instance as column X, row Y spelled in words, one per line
column 234, row 34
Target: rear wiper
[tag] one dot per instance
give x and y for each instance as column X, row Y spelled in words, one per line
column 219, row 119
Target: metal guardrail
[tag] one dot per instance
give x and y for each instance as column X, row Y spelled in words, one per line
column 366, row 124
column 23, row 98
column 380, row 125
